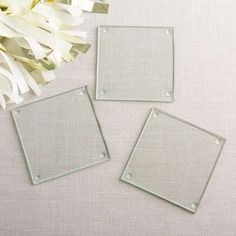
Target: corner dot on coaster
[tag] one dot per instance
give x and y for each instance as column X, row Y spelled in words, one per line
column 82, row 92
column 193, row 206
column 155, row 114
column 218, row 142
column 37, row 178
column 102, row 91
column 129, row 176
column 102, row 155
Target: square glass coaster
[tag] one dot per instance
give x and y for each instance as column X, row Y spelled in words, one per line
column 135, row 63
column 60, row 135
column 173, row 159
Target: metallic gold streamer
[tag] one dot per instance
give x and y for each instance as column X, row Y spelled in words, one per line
column 36, row 37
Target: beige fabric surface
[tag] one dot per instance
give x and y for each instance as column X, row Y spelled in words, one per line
column 94, row 201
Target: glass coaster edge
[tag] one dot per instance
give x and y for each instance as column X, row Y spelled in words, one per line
column 122, row 178
column 52, row 96
column 189, row 123
column 71, row 172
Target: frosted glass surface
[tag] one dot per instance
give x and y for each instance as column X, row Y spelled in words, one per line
column 173, row 159
column 60, row 135
column 135, row 63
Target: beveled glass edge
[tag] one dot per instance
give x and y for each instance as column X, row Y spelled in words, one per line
column 122, row 178
column 107, row 158
column 96, row 97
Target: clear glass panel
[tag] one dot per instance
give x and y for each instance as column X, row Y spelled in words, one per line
column 135, row 63
column 60, row 135
column 173, row 159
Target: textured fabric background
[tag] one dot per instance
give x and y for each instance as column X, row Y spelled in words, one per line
column 94, row 201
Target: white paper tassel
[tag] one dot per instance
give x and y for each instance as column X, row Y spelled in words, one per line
column 36, row 37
